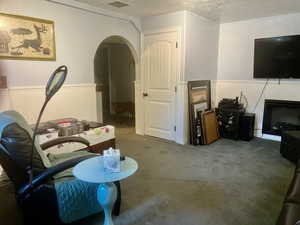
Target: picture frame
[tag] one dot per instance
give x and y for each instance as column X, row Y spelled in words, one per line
column 26, row 38
column 199, row 92
column 199, row 100
column 210, row 127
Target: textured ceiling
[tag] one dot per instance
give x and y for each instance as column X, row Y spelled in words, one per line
column 220, row 10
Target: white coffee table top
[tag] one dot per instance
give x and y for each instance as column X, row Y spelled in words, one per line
column 92, row 170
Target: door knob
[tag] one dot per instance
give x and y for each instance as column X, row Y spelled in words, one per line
column 145, row 94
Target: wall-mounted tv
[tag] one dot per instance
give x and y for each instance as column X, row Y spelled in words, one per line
column 277, row 57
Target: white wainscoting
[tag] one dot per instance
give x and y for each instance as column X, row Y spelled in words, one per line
column 213, row 87
column 139, row 109
column 78, row 101
column 182, row 114
column 99, row 106
column 286, row 90
column 4, row 100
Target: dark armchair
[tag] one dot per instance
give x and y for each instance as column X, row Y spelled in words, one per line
column 55, row 196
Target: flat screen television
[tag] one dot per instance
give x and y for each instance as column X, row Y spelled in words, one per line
column 277, row 57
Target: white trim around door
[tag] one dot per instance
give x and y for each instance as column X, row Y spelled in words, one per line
column 176, row 87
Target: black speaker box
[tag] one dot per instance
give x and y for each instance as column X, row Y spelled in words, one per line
column 229, row 122
column 247, row 126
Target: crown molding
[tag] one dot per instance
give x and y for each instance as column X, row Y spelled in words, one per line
column 134, row 21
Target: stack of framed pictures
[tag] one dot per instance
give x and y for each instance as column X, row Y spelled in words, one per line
column 203, row 122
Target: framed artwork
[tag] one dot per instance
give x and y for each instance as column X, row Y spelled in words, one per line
column 210, row 127
column 199, row 98
column 199, row 92
column 26, row 38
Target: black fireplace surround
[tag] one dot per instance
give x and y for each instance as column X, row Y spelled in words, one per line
column 280, row 115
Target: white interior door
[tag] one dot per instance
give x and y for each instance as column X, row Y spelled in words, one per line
column 160, row 68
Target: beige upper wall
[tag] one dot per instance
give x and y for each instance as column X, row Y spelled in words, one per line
column 236, row 43
column 202, row 37
column 175, row 19
column 199, row 42
column 78, row 35
column 221, row 52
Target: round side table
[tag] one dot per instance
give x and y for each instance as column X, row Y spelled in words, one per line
column 92, row 170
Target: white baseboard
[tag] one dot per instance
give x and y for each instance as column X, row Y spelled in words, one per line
column 181, row 136
column 271, row 137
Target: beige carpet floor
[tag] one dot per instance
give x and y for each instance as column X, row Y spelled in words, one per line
column 225, row 183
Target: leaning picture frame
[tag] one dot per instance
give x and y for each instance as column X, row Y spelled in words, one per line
column 199, row 100
column 26, row 38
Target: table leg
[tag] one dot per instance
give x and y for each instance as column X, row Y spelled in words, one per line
column 107, row 196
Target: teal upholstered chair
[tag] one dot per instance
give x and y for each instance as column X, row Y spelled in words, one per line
column 55, row 196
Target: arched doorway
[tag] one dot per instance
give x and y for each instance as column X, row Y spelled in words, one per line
column 115, row 72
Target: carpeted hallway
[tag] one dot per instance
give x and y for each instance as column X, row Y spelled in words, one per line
column 225, row 183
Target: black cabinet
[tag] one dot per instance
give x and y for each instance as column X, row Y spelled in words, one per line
column 289, row 147
column 247, row 124
column 229, row 122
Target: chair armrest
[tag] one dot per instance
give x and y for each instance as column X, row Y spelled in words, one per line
column 49, row 173
column 63, row 140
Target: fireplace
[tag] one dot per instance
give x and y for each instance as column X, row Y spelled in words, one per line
column 280, row 115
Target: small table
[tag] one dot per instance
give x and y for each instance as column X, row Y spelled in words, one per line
column 92, row 171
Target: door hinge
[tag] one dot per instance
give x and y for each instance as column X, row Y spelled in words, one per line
column 176, row 44
column 174, row 128
column 175, row 88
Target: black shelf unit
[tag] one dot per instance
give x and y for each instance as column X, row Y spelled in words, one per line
column 229, row 122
